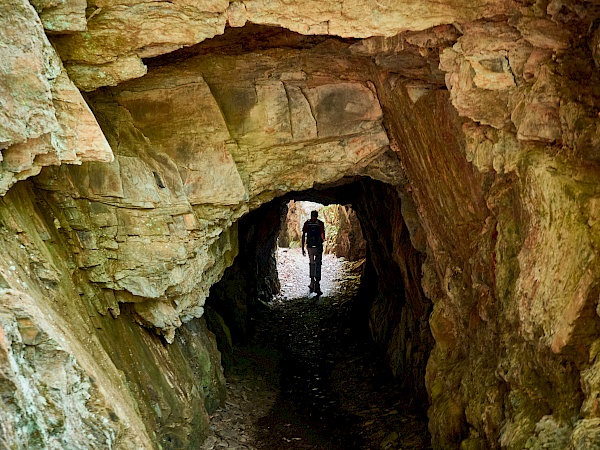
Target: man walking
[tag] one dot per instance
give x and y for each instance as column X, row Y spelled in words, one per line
column 314, row 232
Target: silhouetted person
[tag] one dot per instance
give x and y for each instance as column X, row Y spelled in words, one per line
column 314, row 232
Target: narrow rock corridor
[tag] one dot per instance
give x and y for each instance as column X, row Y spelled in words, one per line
column 309, row 377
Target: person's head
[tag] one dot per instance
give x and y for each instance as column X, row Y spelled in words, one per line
column 314, row 215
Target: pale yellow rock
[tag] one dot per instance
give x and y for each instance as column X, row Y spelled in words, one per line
column 89, row 77
column 122, row 31
column 490, row 149
column 198, row 147
column 586, row 434
column 478, row 72
column 80, row 137
column 493, row 74
column 236, row 14
column 44, row 119
column 488, row 107
column 29, row 65
column 62, row 16
column 128, row 28
column 365, row 18
column 161, row 315
column 537, row 114
column 557, row 269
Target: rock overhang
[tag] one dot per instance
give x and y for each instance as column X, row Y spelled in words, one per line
column 197, row 145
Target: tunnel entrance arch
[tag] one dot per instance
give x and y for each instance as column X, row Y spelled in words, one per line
column 391, row 303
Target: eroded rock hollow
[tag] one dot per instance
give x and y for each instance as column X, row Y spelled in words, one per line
column 147, row 149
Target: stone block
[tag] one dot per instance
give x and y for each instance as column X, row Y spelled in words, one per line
column 64, row 16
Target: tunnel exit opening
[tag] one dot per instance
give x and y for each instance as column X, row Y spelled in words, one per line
column 343, row 251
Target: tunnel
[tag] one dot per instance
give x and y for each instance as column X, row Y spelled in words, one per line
column 149, row 150
column 390, row 309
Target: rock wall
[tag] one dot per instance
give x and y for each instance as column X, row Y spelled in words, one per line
column 43, row 119
column 490, row 110
column 509, row 280
column 291, row 228
column 391, row 286
column 344, row 237
column 252, row 279
column 67, row 377
column 141, row 240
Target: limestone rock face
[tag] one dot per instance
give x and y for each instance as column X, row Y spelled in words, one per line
column 156, row 226
column 44, row 119
column 345, row 239
column 365, row 18
column 48, row 390
column 120, row 33
column 69, row 380
column 62, row 16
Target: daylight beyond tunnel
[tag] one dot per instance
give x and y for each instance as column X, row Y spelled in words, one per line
column 391, row 302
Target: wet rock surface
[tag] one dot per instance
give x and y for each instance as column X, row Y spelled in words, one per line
column 310, row 378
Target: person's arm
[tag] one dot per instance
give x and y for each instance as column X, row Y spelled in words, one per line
column 303, row 234
column 322, row 231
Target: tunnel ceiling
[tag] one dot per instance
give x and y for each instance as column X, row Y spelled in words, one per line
column 211, row 136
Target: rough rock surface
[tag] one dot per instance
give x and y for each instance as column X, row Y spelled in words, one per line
column 491, row 171
column 183, row 192
column 46, row 393
column 121, row 32
column 43, row 117
column 345, row 239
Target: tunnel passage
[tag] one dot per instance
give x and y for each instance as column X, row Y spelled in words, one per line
column 390, row 304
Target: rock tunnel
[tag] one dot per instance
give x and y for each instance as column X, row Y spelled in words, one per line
column 392, row 274
column 148, row 148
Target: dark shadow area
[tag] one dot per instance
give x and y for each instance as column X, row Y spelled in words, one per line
column 350, row 368
column 250, row 38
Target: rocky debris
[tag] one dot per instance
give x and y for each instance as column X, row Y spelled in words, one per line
column 336, row 391
column 249, row 397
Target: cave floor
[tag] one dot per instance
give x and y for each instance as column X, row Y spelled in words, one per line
column 308, row 379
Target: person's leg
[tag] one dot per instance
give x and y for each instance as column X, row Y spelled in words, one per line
column 318, row 261
column 312, row 252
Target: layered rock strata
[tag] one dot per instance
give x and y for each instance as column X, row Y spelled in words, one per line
column 43, row 118
column 498, row 147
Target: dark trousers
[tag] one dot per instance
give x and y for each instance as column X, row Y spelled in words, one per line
column 315, row 257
